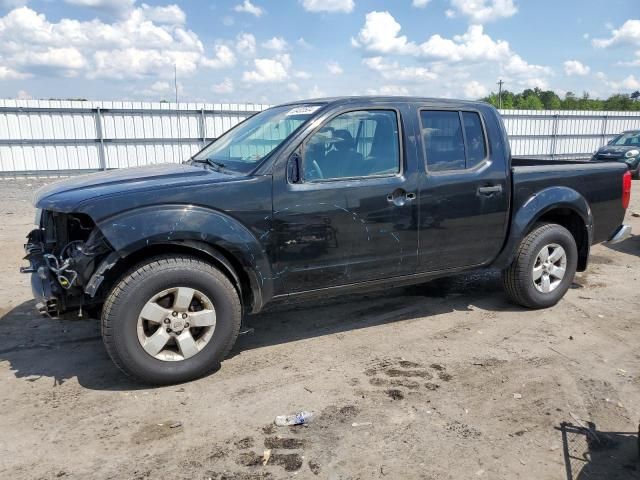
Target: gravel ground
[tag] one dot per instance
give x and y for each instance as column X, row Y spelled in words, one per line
column 445, row 380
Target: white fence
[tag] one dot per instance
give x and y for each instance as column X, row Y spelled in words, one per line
column 41, row 137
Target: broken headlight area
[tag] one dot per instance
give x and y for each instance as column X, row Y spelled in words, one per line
column 63, row 253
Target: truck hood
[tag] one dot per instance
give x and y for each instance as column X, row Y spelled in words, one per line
column 66, row 195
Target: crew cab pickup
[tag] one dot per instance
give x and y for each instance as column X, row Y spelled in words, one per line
column 311, row 199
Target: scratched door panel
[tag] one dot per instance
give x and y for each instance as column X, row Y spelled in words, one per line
column 344, row 232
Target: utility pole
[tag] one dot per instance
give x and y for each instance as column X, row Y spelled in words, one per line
column 175, row 80
column 500, row 83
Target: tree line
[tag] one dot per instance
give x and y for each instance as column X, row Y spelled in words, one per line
column 537, row 99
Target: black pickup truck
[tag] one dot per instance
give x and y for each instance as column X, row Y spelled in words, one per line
column 311, row 199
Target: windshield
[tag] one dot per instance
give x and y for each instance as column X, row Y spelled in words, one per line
column 628, row 139
column 243, row 147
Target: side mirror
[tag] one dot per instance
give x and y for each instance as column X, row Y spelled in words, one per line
column 293, row 168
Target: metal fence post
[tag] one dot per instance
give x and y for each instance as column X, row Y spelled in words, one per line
column 203, row 128
column 554, row 136
column 102, row 158
column 604, row 129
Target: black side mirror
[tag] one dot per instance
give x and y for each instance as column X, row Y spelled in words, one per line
column 293, row 168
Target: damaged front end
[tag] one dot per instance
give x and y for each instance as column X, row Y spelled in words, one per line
column 63, row 253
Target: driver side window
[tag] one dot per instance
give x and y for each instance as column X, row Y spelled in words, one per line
column 362, row 143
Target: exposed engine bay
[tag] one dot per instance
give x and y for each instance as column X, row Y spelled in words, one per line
column 63, row 252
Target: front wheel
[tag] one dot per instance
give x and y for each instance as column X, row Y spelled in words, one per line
column 544, row 267
column 170, row 320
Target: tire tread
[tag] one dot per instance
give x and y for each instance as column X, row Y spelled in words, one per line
column 137, row 274
column 512, row 277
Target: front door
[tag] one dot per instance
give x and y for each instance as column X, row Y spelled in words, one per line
column 463, row 198
column 352, row 216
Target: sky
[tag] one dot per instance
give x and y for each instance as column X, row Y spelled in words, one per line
column 275, row 51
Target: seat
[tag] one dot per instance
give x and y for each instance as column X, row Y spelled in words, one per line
column 343, row 160
column 383, row 156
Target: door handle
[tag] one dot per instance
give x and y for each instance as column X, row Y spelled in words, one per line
column 399, row 197
column 490, row 190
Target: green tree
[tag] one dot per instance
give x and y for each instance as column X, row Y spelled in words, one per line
column 537, row 99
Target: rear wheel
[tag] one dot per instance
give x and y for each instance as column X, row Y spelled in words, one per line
column 171, row 320
column 544, row 267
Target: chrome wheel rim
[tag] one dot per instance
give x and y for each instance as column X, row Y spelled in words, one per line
column 549, row 268
column 176, row 324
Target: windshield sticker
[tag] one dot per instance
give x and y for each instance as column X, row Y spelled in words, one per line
column 308, row 110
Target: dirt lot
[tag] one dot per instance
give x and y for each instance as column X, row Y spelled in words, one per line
column 439, row 381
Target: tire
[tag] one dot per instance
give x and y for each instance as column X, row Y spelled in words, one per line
column 518, row 279
column 127, row 335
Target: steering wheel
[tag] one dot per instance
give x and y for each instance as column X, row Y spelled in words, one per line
column 314, row 172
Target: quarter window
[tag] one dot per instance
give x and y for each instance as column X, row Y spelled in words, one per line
column 354, row 144
column 476, row 146
column 444, row 140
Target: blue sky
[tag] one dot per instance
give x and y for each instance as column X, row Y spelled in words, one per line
column 274, row 51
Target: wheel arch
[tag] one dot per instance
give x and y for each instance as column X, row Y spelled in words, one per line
column 250, row 296
column 561, row 205
column 202, row 232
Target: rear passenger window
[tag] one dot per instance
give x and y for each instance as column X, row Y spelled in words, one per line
column 444, row 140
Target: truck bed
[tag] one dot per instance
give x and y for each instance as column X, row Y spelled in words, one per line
column 596, row 182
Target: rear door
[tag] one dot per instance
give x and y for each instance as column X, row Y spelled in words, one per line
column 463, row 197
column 353, row 216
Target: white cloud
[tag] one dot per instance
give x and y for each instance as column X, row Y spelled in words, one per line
column 302, row 75
column 574, row 67
column 393, row 71
column 380, row 34
column 334, row 68
column 23, row 95
column 482, row 11
column 631, row 63
column 278, row 44
column 303, row 43
column 269, row 70
column 517, row 66
column 628, row 33
column 473, row 45
column 119, row 7
column 389, row 90
column 331, row 6
column 224, row 87
column 246, row 44
column 148, row 42
column 629, row 83
column 316, row 92
column 420, row 3
column 63, row 58
column 159, row 89
column 170, row 14
column 475, row 90
column 7, row 73
column 247, row 7
column 224, row 58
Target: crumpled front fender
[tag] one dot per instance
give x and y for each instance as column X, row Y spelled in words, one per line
column 132, row 230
